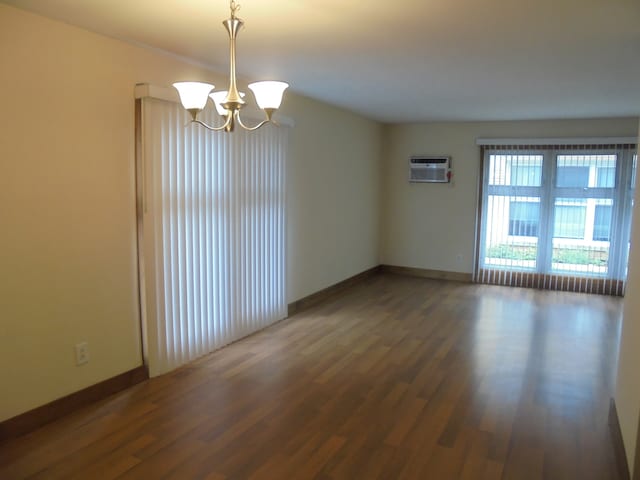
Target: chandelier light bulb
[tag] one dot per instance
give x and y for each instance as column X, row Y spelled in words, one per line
column 193, row 95
column 268, row 93
column 219, row 98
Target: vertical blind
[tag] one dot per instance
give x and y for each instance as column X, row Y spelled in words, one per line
column 556, row 216
column 213, row 228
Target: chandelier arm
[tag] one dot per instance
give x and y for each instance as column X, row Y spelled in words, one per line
column 214, row 129
column 251, row 129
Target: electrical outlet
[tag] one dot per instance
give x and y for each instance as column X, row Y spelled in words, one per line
column 82, row 353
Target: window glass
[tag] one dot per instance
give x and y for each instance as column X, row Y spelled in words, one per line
column 526, row 175
column 515, row 170
column 524, row 217
column 602, row 223
column 572, row 176
column 569, row 219
column 606, row 177
column 586, row 171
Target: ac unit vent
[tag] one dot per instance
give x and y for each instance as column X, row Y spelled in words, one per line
column 430, row 169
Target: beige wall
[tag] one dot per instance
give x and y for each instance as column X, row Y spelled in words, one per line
column 333, row 196
column 432, row 226
column 628, row 383
column 67, row 202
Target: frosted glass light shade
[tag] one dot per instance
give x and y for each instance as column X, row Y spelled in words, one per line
column 193, row 95
column 219, row 98
column 268, row 94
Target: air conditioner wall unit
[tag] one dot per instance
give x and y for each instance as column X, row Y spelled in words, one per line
column 430, row 169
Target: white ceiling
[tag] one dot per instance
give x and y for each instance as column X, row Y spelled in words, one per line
column 403, row 60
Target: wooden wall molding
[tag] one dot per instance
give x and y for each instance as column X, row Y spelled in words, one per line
column 321, row 295
column 425, row 273
column 36, row 418
column 325, row 293
column 618, row 444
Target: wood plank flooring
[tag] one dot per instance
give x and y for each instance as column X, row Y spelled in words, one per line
column 397, row 378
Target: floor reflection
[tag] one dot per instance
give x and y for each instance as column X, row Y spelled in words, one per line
column 554, row 354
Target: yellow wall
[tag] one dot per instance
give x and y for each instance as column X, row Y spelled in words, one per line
column 432, row 226
column 67, row 202
column 628, row 384
column 332, row 198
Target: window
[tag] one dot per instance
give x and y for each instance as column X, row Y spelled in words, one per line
column 526, row 175
column 569, row 218
column 557, row 211
column 606, row 177
column 572, row 176
column 516, row 170
column 602, row 223
column 523, row 218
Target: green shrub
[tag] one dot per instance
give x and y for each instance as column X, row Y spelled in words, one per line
column 513, row 252
column 579, row 256
column 574, row 256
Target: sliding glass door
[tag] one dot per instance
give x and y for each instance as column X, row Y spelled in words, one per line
column 212, row 233
column 556, row 217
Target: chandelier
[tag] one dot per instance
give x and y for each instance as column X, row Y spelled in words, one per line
column 228, row 103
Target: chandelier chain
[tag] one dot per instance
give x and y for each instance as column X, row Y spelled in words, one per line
column 234, row 6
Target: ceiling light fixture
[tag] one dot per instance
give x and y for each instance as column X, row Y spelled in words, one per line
column 194, row 95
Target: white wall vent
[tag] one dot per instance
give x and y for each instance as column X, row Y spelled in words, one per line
column 430, row 169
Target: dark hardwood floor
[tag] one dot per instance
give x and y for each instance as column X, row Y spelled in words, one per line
column 397, row 378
